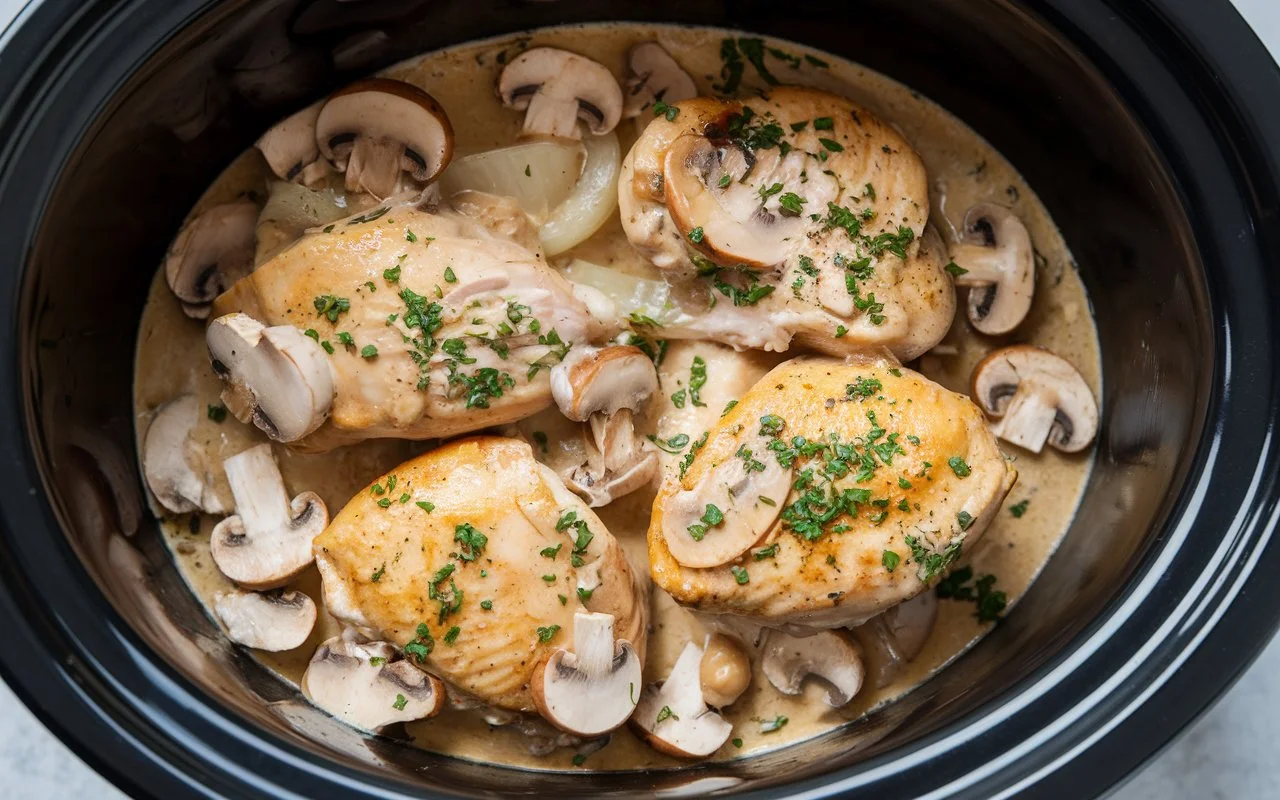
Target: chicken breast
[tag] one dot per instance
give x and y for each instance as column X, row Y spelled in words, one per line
column 798, row 215
column 484, row 551
column 433, row 326
column 829, row 493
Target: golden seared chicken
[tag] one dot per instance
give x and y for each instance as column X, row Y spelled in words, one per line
column 395, row 323
column 797, row 215
column 829, row 493
column 474, row 559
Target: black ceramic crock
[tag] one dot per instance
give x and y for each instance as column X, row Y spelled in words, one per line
column 1150, row 128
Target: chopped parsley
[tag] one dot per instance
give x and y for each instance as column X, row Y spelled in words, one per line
column 369, row 351
column 452, row 635
column 697, row 379
column 471, row 539
column 791, row 204
column 965, row 519
column 990, row 601
column 217, row 413
column 930, row 563
column 551, row 552
column 696, row 235
column 660, row 109
column 331, row 307
column 1019, row 508
column 377, row 575
column 712, row 517
column 673, row 445
column 665, row 714
column 449, row 275
column 546, row 634
column 955, row 269
column 740, row 575
column 959, row 467
column 773, row 725
column 765, row 552
column 426, row 506
column 487, row 605
column 890, row 560
column 421, row 646
column 400, row 703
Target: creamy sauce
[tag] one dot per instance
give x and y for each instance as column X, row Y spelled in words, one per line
column 963, row 170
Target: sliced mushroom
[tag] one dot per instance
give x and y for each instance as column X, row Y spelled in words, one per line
column 272, row 621
column 828, row 656
column 365, row 684
column 268, row 540
column 278, row 378
column 590, row 690
column 556, row 88
column 166, row 460
column 725, row 670
column 374, row 130
column 673, row 717
column 210, row 253
column 725, row 219
column 606, row 386
column 1035, row 397
column 723, row 515
column 999, row 264
column 290, row 148
column 897, row 635
column 655, row 76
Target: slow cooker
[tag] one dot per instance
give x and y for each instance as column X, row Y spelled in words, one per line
column 1151, row 130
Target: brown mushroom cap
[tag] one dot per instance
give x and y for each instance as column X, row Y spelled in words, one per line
column 271, row 621
column 365, row 684
column 1035, row 397
column 673, row 717
column 557, row 88
column 277, row 377
column 210, row 253
column 591, row 689
column 828, row 656
column 375, row 129
column 268, row 540
column 290, row 148
column 655, row 75
column 999, row 261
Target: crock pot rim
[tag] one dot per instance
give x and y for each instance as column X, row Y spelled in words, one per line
column 112, row 721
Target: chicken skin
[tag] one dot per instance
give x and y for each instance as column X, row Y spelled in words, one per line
column 830, row 492
column 421, row 326
column 474, row 558
column 799, row 215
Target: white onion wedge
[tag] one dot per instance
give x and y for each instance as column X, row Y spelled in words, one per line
column 295, row 207
column 629, row 294
column 593, row 200
column 553, row 169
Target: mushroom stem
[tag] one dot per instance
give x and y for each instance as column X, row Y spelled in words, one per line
column 593, row 642
column 1028, row 418
column 374, row 166
column 984, row 265
column 260, row 504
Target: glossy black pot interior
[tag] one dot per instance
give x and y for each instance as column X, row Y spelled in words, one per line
column 1143, row 125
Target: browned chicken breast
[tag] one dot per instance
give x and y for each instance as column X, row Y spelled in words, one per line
column 798, row 215
column 830, row 492
column 474, row 559
column 416, row 326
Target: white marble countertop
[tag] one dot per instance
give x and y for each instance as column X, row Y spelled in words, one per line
column 1230, row 753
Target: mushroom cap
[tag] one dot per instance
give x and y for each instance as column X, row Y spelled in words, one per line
column 736, row 228
column 725, row 670
column 735, row 490
column 1036, row 397
column 998, row 254
column 655, row 75
column 277, row 377
column 910, row 623
column 590, row 690
column 385, row 110
column 557, row 88
column 210, row 253
column 602, row 380
column 170, row 476
column 828, row 656
column 290, row 148
column 345, row 680
column 268, row 540
column 688, row 729
column 272, row 621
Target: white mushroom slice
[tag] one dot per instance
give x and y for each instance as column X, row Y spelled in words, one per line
column 897, row 635
column 723, row 516
column 655, row 75
column 277, row 377
column 605, row 386
column 210, row 253
column 1035, row 397
column 673, row 717
column 364, row 684
column 725, row 670
column 999, row 260
column 166, row 460
column 590, row 690
column 290, row 148
column 374, row 130
column 602, row 380
column 827, row 656
column 268, row 540
column 556, row 88
column 272, row 621
column 725, row 219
